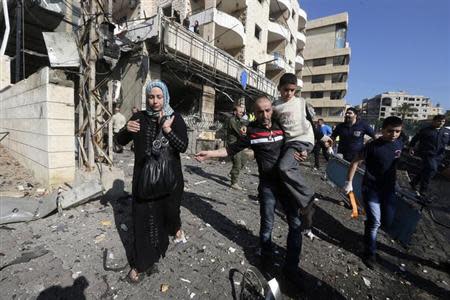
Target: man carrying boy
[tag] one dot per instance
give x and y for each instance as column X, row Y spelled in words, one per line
column 265, row 138
column 378, row 188
column 291, row 112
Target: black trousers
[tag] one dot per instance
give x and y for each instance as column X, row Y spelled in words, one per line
column 317, row 147
column 153, row 222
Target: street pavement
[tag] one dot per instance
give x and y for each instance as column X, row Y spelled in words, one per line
column 82, row 254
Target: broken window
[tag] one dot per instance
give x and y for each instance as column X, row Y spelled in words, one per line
column 257, row 32
column 316, row 95
column 318, row 78
column 319, row 62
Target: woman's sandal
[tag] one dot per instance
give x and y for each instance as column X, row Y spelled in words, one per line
column 136, row 278
column 180, row 239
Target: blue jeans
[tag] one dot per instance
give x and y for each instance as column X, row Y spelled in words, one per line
column 380, row 210
column 269, row 193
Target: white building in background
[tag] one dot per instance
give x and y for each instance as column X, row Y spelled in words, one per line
column 390, row 104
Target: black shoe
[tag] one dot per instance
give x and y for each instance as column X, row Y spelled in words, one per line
column 370, row 260
column 294, row 277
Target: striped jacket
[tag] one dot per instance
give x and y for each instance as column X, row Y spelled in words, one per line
column 265, row 143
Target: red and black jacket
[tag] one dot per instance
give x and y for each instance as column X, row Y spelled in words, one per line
column 266, row 143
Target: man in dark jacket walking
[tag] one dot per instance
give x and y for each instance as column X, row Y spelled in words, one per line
column 432, row 142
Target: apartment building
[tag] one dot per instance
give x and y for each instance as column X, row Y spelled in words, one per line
column 402, row 104
column 267, row 35
column 326, row 68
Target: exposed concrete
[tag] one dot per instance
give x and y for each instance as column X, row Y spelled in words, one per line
column 39, row 116
column 5, row 71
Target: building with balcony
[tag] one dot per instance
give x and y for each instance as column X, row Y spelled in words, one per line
column 265, row 35
column 326, row 66
column 240, row 48
column 401, row 104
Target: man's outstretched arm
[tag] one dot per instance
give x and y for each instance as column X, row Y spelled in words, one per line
column 204, row 155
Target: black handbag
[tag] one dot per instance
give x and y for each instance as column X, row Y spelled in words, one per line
column 157, row 177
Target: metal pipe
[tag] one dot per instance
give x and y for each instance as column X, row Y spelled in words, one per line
column 19, row 28
column 6, row 35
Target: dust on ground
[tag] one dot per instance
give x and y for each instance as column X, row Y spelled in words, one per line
column 86, row 248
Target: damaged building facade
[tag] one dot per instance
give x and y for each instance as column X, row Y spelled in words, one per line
column 63, row 78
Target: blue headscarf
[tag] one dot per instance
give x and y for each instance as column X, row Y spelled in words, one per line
column 167, row 110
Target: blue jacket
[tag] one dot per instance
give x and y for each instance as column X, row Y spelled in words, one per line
column 432, row 141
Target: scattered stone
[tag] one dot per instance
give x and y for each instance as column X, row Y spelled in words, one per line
column 185, row 280
column 366, row 282
column 231, row 250
column 75, row 275
column 192, row 295
column 20, row 188
column 99, row 238
column 124, row 227
column 106, row 222
column 241, row 223
column 40, row 190
column 200, row 182
column 164, row 287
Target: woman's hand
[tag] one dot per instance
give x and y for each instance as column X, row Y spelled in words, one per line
column 167, row 125
column 133, row 126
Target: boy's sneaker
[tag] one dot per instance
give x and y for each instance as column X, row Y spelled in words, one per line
column 370, row 260
column 236, row 186
column 295, row 277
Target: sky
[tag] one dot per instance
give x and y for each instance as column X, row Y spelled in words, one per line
column 395, row 45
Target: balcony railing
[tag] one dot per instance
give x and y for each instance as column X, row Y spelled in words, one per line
column 302, row 18
column 276, row 31
column 224, row 20
column 193, row 49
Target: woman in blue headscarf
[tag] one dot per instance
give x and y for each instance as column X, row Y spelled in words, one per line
column 155, row 219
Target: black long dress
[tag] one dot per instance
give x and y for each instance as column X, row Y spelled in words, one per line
column 155, row 220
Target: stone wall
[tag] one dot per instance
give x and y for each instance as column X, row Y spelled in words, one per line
column 39, row 116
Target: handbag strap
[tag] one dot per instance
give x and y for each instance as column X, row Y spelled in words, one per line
column 158, row 137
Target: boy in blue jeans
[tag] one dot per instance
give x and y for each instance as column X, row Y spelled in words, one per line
column 380, row 157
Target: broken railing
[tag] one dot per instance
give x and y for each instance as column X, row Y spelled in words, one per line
column 181, row 42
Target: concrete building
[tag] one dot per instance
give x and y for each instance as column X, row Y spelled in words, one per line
column 241, row 50
column 435, row 110
column 265, row 35
column 402, row 104
column 251, row 40
column 325, row 73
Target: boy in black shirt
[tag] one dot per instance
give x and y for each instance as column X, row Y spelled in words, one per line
column 380, row 157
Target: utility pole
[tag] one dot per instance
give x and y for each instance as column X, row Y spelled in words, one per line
column 91, row 83
column 94, row 115
column 19, row 38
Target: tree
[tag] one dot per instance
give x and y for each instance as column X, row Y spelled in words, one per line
column 405, row 109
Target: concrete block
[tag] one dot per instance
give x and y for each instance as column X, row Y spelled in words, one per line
column 60, row 127
column 5, row 71
column 61, row 159
column 113, row 181
column 61, row 143
column 60, row 94
column 58, row 176
column 81, row 194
